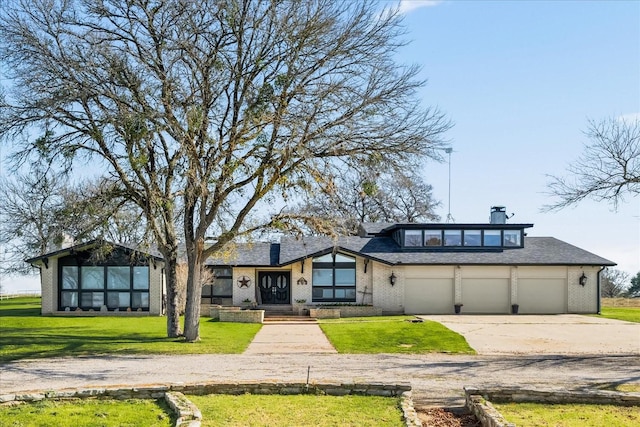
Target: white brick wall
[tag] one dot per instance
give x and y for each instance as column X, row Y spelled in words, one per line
column 49, row 286
column 364, row 286
column 457, row 285
column 374, row 286
column 299, row 292
column 514, row 285
column 389, row 298
column 240, row 294
column 582, row 299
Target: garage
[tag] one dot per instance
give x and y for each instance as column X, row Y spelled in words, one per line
column 486, row 295
column 542, row 296
column 428, row 296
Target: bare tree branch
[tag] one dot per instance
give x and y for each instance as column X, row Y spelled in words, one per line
column 614, row 283
column 608, row 170
column 205, row 112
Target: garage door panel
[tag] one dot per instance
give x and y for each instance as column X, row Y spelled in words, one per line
column 428, row 296
column 486, row 296
column 542, row 296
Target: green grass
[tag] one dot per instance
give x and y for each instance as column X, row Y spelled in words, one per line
column 25, row 334
column 535, row 414
column 630, row 314
column 621, row 387
column 298, row 410
column 89, row 413
column 392, row 334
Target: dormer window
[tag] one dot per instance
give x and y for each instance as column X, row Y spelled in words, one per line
column 463, row 236
column 413, row 238
column 492, row 237
column 472, row 238
column 433, row 237
column 512, row 238
column 453, row 237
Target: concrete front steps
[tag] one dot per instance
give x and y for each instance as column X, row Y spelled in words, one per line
column 283, row 313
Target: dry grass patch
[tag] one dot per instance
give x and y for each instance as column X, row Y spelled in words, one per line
column 623, row 388
column 621, row 302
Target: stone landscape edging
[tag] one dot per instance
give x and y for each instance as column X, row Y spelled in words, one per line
column 189, row 415
column 478, row 401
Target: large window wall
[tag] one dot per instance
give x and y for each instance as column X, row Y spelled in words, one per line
column 334, row 278
column 118, row 283
column 116, row 287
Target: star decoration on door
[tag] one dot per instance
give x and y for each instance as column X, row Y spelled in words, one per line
column 244, row 282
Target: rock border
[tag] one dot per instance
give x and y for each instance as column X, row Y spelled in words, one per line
column 190, row 416
column 478, row 401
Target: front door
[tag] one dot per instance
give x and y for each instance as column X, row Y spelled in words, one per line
column 275, row 287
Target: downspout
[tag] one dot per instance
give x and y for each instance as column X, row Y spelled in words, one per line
column 598, row 286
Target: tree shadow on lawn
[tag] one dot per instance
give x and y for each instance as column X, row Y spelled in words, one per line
column 16, row 343
column 21, row 312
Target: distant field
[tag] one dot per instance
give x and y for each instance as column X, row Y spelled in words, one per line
column 621, row 302
column 19, row 294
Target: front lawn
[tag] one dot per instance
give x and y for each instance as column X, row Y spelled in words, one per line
column 392, row 334
column 538, row 414
column 25, row 334
column 89, row 412
column 298, row 410
column 630, row 314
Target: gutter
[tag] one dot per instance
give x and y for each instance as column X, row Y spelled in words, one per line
column 599, row 308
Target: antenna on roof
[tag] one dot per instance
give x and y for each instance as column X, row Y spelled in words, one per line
column 449, row 219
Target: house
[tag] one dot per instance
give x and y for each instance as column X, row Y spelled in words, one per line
column 100, row 277
column 488, row 268
column 491, row 268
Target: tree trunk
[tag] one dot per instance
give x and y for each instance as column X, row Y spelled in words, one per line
column 194, row 292
column 173, row 316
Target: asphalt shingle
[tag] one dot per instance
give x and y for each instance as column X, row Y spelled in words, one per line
column 536, row 251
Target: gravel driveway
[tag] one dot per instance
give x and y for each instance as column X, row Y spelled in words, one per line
column 437, row 379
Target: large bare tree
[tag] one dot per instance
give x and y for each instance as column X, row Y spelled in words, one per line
column 28, row 221
column 207, row 112
column 607, row 170
column 381, row 194
column 614, row 283
column 42, row 211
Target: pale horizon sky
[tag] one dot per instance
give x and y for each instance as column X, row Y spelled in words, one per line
column 520, row 79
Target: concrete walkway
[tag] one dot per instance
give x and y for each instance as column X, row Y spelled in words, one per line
column 290, row 337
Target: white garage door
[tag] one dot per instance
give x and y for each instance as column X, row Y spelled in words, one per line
column 542, row 296
column 428, row 296
column 489, row 296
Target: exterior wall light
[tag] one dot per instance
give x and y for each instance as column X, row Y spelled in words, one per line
column 302, row 281
column 583, row 279
column 392, row 279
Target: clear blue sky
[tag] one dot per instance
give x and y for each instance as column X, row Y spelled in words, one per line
column 520, row 79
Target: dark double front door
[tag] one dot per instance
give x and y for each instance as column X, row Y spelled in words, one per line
column 275, row 287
